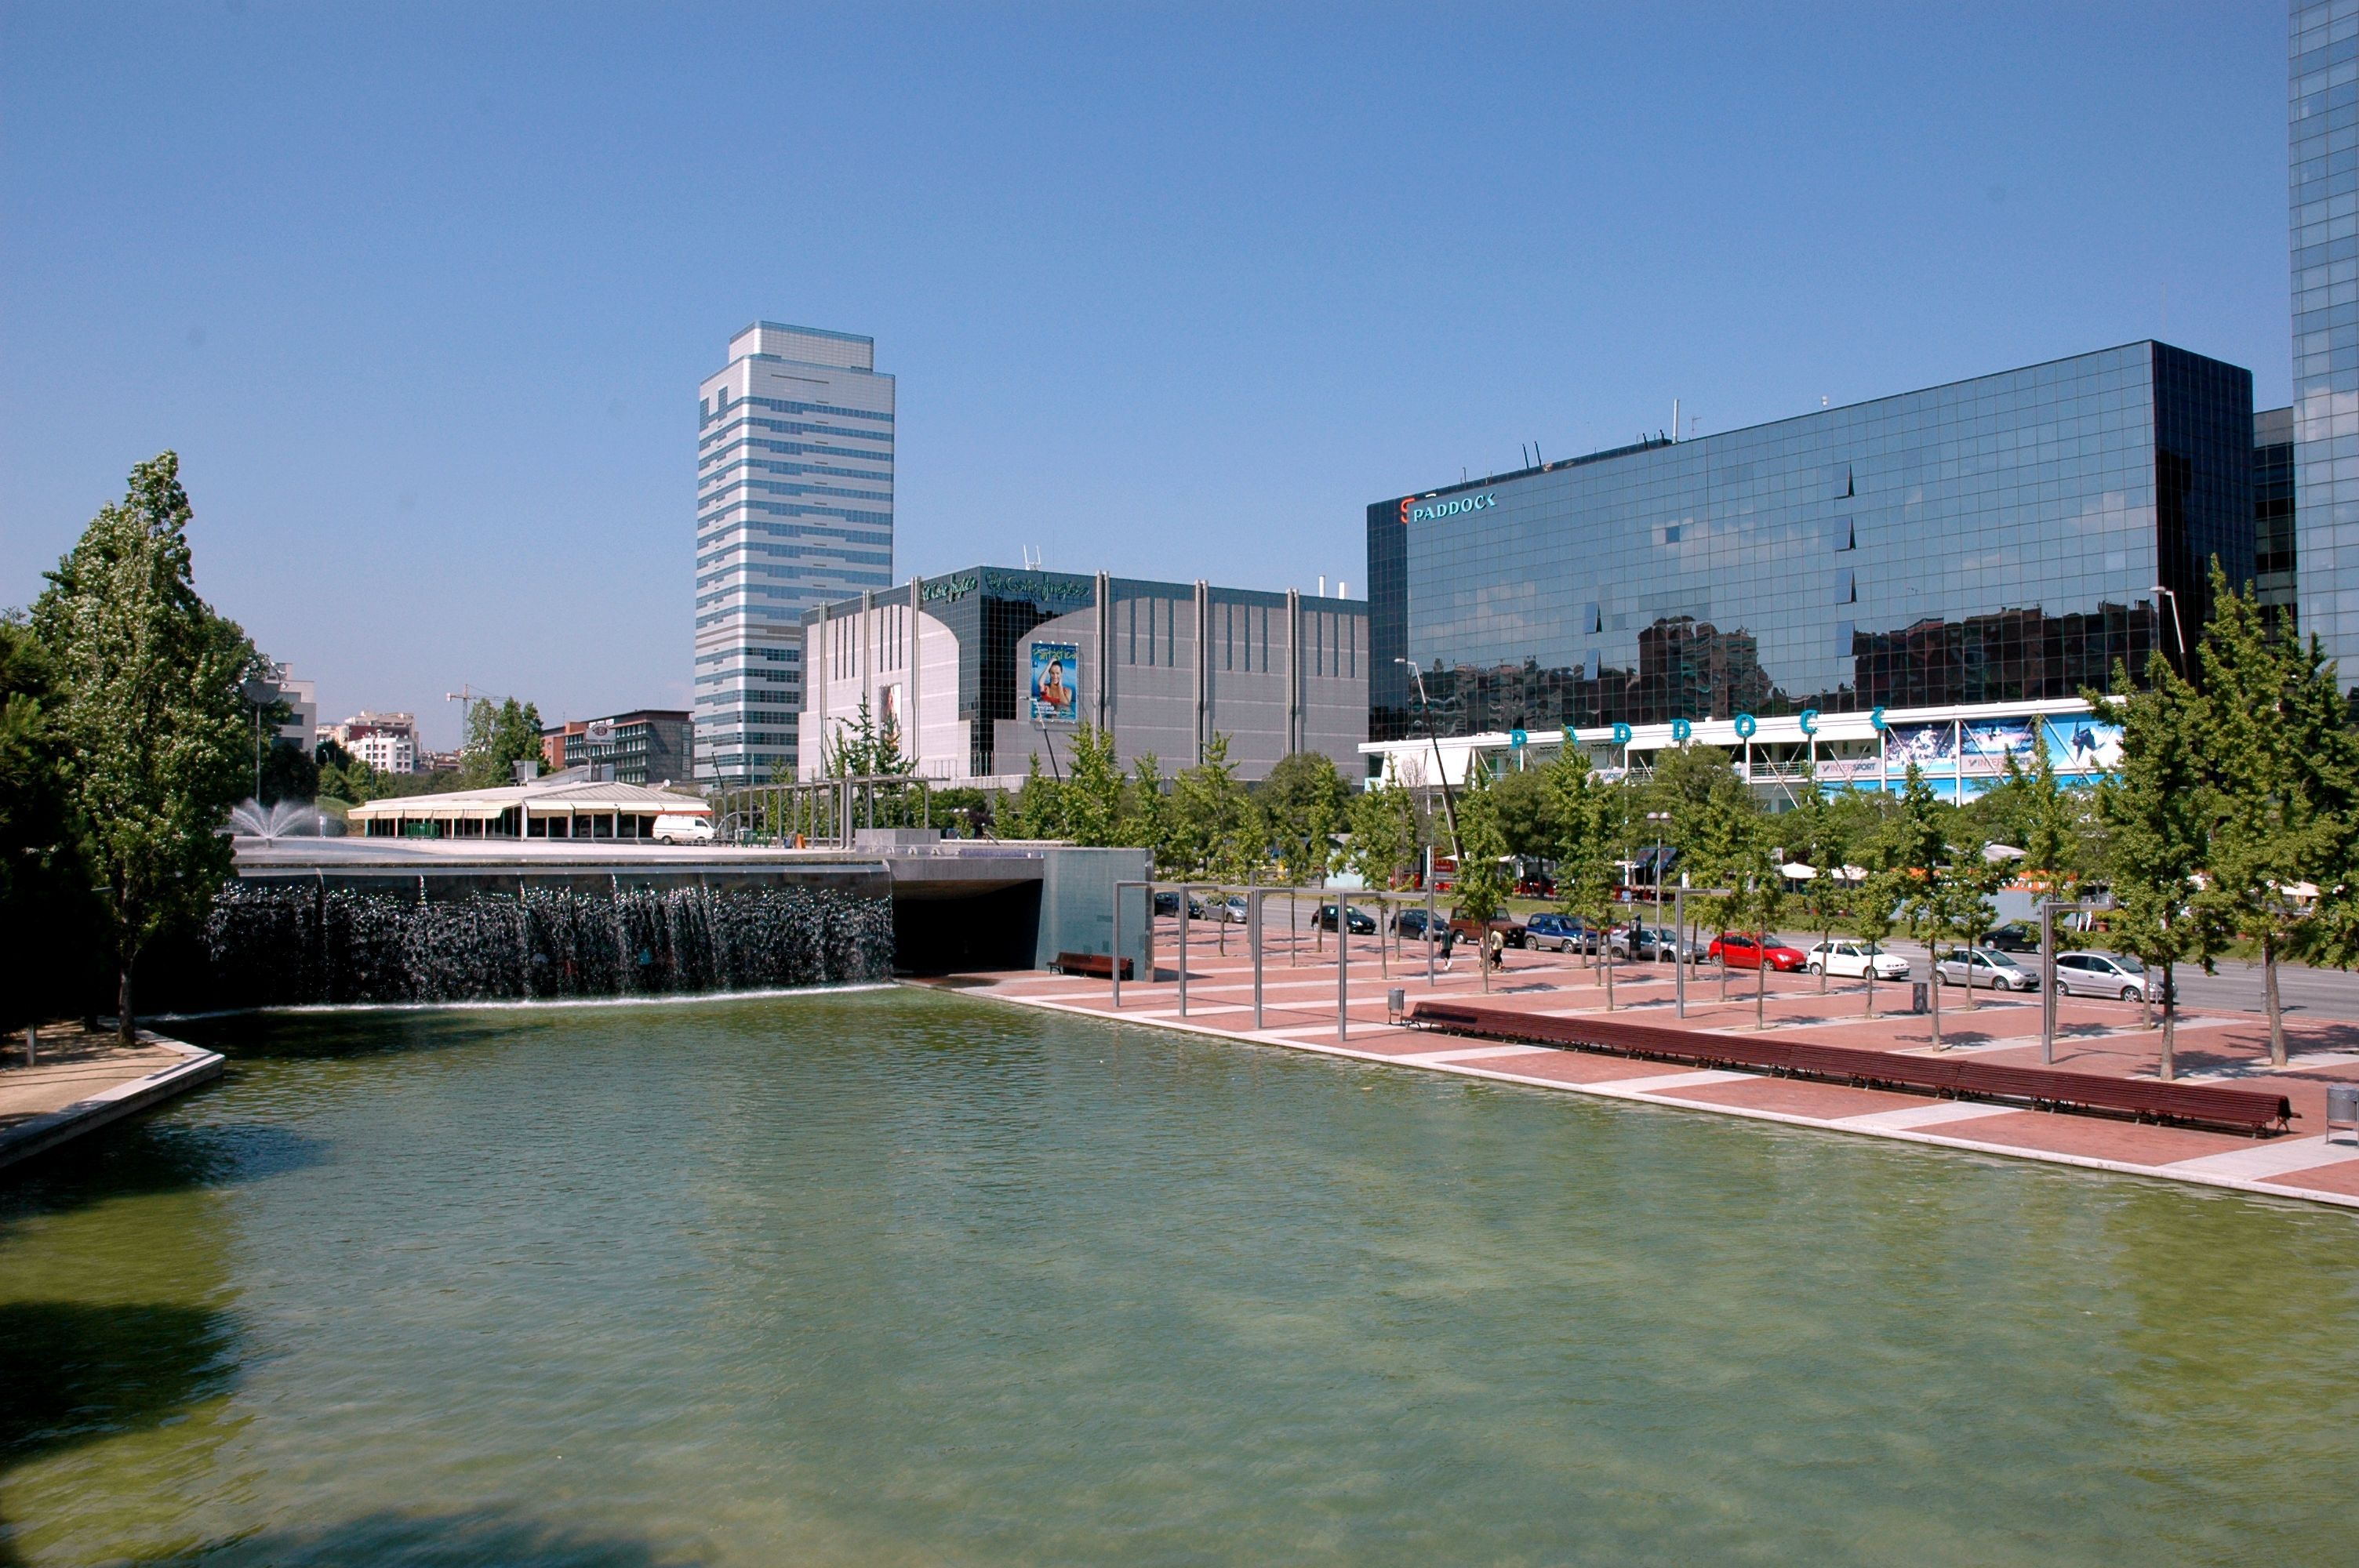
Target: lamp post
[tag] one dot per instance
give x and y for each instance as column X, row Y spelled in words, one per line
column 1658, row 819
column 2177, row 625
column 1441, row 773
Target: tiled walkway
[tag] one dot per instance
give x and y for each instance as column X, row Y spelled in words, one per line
column 1298, row 1012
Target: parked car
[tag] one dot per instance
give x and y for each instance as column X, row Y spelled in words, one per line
column 1168, row 902
column 683, row 827
column 1852, row 960
column 2012, row 937
column 1562, row 933
column 1659, row 943
column 1410, row 925
column 1468, row 931
column 1743, row 950
column 1232, row 910
column 1982, row 967
column 2102, row 974
column 1363, row 922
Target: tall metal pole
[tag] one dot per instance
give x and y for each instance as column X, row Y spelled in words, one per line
column 2047, row 984
column 1429, row 917
column 1113, row 959
column 1253, row 941
column 1343, row 972
column 1183, row 949
column 1678, row 942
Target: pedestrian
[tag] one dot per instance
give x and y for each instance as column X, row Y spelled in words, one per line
column 1495, row 950
column 1449, row 942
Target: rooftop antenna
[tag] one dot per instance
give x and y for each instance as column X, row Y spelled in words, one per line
column 1675, row 418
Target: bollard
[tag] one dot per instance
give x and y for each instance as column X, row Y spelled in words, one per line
column 1343, row 972
column 32, row 1046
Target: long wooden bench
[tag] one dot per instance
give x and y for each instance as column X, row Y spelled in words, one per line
column 2046, row 1089
column 1097, row 965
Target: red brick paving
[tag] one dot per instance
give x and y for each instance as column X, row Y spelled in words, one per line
column 2094, row 1036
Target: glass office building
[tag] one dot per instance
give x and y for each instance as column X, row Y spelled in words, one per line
column 794, row 509
column 1992, row 541
column 2323, row 78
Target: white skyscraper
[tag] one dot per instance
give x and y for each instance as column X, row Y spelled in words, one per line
column 794, row 508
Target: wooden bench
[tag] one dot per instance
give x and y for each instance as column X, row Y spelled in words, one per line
column 1099, row 966
column 2048, row 1088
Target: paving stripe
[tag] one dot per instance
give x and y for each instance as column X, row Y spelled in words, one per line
column 1440, row 1058
column 2279, row 1157
column 1931, row 1115
column 1683, row 1081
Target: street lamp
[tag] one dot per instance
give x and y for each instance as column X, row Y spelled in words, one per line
column 1659, row 817
column 1441, row 774
column 2177, row 625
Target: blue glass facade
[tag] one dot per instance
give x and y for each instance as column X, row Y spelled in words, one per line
column 1998, row 539
column 2324, row 145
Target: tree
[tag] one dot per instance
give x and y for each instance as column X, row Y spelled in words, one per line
column 498, row 738
column 1037, row 810
column 153, row 715
column 46, row 917
column 1934, row 899
column 2154, row 816
column 1092, row 793
column 1760, row 893
column 1383, row 823
column 1213, row 821
column 1522, row 799
column 2277, row 794
column 1482, row 884
column 1591, row 819
column 1304, row 802
column 1149, row 820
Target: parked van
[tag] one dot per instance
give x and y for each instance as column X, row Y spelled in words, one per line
column 683, row 828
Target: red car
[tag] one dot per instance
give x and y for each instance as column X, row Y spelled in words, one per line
column 1743, row 950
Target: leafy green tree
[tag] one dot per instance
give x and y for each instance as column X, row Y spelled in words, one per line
column 1483, row 882
column 2155, row 830
column 153, row 715
column 1937, row 902
column 1521, row 797
column 1591, row 819
column 1215, row 831
column 1717, row 822
column 2276, row 803
column 1303, row 803
column 1092, row 796
column 48, row 919
column 1037, row 810
column 1149, row 822
column 1383, row 824
column 498, row 738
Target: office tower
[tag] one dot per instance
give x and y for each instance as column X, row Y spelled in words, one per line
column 2324, row 189
column 794, row 509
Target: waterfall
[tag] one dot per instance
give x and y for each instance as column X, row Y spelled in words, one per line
column 285, row 943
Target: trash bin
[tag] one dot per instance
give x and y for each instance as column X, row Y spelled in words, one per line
column 2343, row 1107
column 1918, row 1000
column 1396, row 1002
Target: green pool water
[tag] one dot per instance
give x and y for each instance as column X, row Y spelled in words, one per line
column 892, row 1277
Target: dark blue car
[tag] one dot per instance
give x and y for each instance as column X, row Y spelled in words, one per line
column 1564, row 933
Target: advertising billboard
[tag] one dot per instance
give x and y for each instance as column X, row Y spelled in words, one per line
column 1056, row 682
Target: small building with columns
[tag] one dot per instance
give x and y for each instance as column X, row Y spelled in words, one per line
column 974, row 671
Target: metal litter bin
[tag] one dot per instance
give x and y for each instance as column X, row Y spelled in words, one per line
column 1396, row 1002
column 1920, row 997
column 2342, row 1109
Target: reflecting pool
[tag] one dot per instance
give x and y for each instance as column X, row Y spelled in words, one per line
column 897, row 1277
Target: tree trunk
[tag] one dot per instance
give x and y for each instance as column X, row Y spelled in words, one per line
column 1934, row 990
column 1826, row 941
column 1607, row 959
column 2169, row 1028
column 1761, row 985
column 126, row 1028
column 1871, row 987
column 2270, row 994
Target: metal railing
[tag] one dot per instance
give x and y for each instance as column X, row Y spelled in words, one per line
column 825, row 813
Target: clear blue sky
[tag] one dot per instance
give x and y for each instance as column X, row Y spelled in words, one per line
column 421, row 294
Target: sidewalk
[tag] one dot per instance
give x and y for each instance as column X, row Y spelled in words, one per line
column 2092, row 1036
column 85, row 1081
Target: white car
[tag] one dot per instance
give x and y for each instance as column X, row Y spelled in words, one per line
column 2101, row 974
column 1984, row 967
column 1851, row 960
column 681, row 827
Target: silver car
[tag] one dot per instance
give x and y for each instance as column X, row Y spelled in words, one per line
column 1985, row 967
column 2101, row 974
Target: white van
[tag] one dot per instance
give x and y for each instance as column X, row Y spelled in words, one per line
column 683, row 828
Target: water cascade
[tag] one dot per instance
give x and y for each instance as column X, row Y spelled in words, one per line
column 278, row 943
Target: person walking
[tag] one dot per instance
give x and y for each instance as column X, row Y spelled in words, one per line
column 1449, row 944
column 1494, row 951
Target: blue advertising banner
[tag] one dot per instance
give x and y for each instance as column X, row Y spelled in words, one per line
column 1056, row 682
column 1932, row 748
column 2083, row 746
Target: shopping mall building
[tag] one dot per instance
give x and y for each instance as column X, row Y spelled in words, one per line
column 1932, row 577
